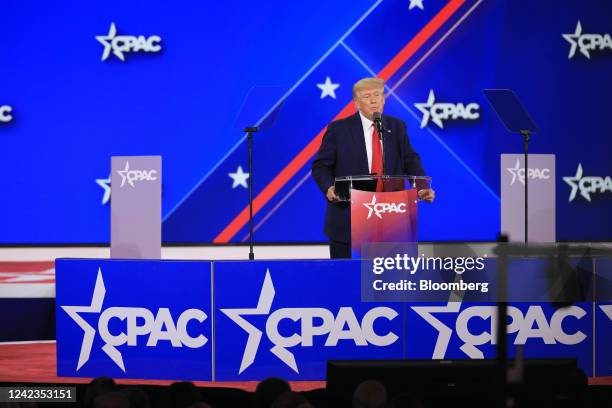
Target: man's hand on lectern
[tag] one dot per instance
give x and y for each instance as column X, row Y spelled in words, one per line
column 427, row 195
column 331, row 194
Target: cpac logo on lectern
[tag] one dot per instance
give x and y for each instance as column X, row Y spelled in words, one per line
column 313, row 322
column 587, row 185
column 586, row 42
column 533, row 173
column 442, row 111
column 5, row 113
column 133, row 176
column 139, row 322
column 120, row 44
column 532, row 325
column 378, row 209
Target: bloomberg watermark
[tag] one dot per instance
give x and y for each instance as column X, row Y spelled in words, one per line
column 401, row 272
column 412, row 265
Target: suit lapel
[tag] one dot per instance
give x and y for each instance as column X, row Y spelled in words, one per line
column 359, row 142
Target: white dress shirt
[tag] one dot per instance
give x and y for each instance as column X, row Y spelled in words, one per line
column 368, row 131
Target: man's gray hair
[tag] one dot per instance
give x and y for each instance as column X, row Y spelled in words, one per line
column 368, row 83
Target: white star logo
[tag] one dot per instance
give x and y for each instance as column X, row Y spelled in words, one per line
column 107, row 40
column 444, row 332
column 89, row 332
column 328, row 88
column 573, row 182
column 370, row 206
column 239, row 178
column 515, row 173
column 425, row 108
column 573, row 40
column 264, row 305
column 607, row 309
column 105, row 184
column 123, row 173
column 416, row 3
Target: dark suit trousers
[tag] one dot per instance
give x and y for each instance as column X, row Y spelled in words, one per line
column 339, row 250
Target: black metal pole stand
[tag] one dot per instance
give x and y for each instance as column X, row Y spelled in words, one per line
column 250, row 131
column 525, row 134
column 502, row 328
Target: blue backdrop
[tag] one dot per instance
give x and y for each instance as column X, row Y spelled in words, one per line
column 71, row 110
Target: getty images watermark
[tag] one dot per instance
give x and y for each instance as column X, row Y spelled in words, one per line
column 412, row 265
column 401, row 272
column 400, row 275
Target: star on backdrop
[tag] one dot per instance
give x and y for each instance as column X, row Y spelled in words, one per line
column 573, row 40
column 239, row 178
column 105, row 184
column 573, row 182
column 328, row 88
column 416, row 3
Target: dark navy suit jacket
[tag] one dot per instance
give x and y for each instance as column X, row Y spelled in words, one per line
column 343, row 153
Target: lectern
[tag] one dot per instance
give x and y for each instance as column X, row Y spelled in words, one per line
column 381, row 216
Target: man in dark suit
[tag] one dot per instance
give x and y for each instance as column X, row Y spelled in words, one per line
column 351, row 147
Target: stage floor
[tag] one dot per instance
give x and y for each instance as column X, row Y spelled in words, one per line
column 34, row 362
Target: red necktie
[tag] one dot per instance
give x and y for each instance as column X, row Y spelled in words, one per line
column 377, row 161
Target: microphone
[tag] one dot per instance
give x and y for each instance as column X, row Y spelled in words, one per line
column 379, row 125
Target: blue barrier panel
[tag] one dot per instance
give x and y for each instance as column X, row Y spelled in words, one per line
column 152, row 319
column 134, row 319
column 457, row 330
column 603, row 334
column 287, row 318
column 603, row 317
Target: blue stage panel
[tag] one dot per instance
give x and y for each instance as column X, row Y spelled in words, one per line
column 286, row 318
column 458, row 330
column 156, row 320
column 603, row 333
column 134, row 319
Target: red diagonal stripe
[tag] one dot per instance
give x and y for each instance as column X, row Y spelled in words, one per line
column 311, row 149
column 32, row 282
column 26, row 266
